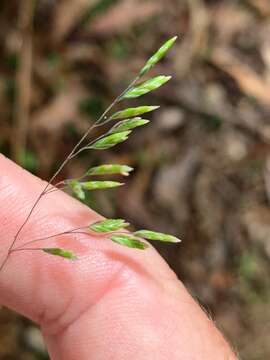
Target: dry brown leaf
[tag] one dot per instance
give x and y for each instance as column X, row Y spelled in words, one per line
column 257, row 220
column 124, row 15
column 63, row 108
column 196, row 37
column 83, row 52
column 67, row 14
column 229, row 19
column 262, row 5
column 247, row 79
column 173, row 181
column 50, row 120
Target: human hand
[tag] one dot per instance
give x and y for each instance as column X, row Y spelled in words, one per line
column 113, row 303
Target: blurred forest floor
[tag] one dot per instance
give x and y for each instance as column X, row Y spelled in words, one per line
column 202, row 165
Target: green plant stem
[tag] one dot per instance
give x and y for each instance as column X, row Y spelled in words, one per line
column 98, row 122
column 71, row 232
column 89, row 144
column 25, row 249
column 54, row 189
column 67, row 232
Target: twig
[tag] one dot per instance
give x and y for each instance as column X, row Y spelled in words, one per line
column 23, row 79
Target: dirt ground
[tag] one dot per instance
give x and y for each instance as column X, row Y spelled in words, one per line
column 203, row 163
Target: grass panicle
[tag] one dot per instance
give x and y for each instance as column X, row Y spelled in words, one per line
column 114, row 229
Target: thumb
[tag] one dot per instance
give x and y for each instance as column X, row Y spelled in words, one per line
column 113, row 303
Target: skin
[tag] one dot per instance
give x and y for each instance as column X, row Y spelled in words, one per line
column 113, row 303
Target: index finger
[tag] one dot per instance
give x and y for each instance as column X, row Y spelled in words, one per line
column 113, row 303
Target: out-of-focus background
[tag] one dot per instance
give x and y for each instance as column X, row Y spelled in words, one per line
column 202, row 165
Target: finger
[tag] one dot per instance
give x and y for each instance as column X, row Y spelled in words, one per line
column 113, row 303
